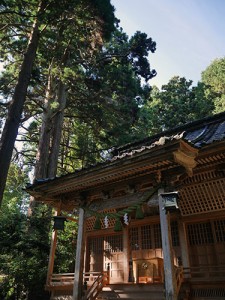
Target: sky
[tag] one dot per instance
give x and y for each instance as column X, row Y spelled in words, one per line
column 189, row 34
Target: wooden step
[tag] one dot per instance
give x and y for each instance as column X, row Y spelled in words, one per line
column 209, row 291
column 132, row 292
column 62, row 297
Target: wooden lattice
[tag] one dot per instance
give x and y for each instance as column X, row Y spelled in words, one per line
column 96, row 244
column 134, row 239
column 210, row 175
column 219, row 227
column 203, row 197
column 157, row 236
column 145, row 237
column 175, row 234
column 91, row 221
column 114, row 243
column 200, row 234
column 209, row 232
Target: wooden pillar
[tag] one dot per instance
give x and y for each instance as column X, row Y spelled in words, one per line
column 169, row 271
column 78, row 276
column 126, row 253
column 183, row 245
column 52, row 253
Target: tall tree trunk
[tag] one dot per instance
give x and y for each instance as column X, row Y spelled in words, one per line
column 51, row 130
column 13, row 120
column 41, row 166
column 57, row 131
column 52, row 122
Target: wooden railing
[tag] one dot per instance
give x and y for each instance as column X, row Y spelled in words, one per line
column 62, row 280
column 204, row 273
column 93, row 283
column 179, row 277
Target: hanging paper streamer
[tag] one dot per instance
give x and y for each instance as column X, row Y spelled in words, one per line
column 106, row 222
column 125, row 219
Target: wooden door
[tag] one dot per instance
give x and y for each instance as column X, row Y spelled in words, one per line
column 95, row 259
column 114, row 257
column 106, row 252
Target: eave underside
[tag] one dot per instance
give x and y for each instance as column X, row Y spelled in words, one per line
column 200, row 193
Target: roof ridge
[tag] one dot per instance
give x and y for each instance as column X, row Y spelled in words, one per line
column 207, row 120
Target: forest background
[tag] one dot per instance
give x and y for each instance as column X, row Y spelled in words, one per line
column 73, row 88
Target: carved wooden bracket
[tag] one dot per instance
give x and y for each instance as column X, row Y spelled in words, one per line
column 185, row 156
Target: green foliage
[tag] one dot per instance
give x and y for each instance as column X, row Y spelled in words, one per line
column 25, row 243
column 72, row 32
column 214, row 79
column 104, row 96
column 66, row 248
column 23, row 254
column 106, row 104
column 176, row 104
column 105, row 10
column 140, row 46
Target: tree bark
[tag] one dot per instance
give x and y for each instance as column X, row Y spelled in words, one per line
column 52, row 123
column 57, row 131
column 41, row 165
column 51, row 130
column 13, row 120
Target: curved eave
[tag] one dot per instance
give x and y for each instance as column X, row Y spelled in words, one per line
column 128, row 166
column 186, row 147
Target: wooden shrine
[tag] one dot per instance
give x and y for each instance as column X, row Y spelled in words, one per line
column 152, row 213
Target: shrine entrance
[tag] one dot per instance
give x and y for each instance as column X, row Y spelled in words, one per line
column 106, row 252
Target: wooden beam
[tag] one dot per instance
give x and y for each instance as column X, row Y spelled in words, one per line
column 170, row 280
column 78, row 276
column 71, row 219
column 183, row 244
column 52, row 252
column 119, row 202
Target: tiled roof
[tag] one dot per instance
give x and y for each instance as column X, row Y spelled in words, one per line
column 162, row 141
column 198, row 134
column 207, row 134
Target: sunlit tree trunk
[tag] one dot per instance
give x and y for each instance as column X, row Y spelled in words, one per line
column 52, row 122
column 13, row 119
column 57, row 131
column 42, row 156
column 50, row 136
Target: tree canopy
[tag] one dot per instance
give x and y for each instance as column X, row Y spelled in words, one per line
column 177, row 103
column 96, row 99
column 25, row 28
column 214, row 79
